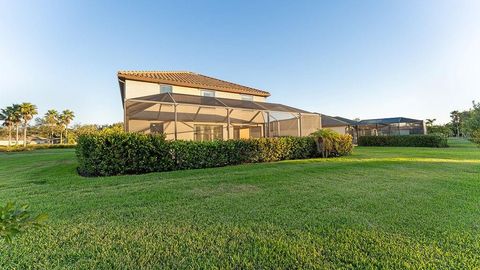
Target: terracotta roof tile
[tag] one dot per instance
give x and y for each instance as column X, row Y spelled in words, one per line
column 190, row 79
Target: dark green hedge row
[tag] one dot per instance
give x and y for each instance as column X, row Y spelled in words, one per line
column 130, row 153
column 406, row 140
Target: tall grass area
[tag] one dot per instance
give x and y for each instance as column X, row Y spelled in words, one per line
column 378, row 208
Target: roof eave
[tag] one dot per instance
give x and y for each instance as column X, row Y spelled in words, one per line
column 154, row 80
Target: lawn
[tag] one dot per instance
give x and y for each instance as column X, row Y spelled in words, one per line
column 379, row 208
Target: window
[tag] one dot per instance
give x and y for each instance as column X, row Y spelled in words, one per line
column 246, row 97
column 208, row 132
column 165, row 89
column 156, row 128
column 208, row 93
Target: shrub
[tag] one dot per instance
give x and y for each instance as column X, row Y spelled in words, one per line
column 430, row 140
column 31, row 147
column 111, row 153
column 15, row 219
column 475, row 137
column 344, row 145
column 330, row 143
column 117, row 153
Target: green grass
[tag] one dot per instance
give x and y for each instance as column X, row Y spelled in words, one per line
column 379, row 208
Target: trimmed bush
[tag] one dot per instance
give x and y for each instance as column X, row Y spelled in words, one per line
column 117, row 153
column 31, row 147
column 331, row 143
column 344, row 145
column 430, row 140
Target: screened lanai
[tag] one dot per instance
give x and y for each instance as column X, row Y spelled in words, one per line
column 390, row 126
column 202, row 118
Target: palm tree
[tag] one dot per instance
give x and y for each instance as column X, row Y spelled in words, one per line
column 6, row 115
column 16, row 119
column 429, row 122
column 51, row 120
column 27, row 111
column 65, row 118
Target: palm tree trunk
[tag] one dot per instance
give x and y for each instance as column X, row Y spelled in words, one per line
column 61, row 136
column 25, row 134
column 9, row 136
column 66, row 134
column 16, row 136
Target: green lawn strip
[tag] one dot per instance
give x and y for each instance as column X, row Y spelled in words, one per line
column 259, row 245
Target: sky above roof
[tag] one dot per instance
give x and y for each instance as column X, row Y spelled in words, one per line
column 357, row 59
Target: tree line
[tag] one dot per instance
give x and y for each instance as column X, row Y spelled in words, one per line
column 462, row 123
column 17, row 117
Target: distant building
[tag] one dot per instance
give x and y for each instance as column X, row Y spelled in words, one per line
column 336, row 124
column 391, row 126
column 374, row 127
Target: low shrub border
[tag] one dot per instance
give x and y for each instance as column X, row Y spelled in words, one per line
column 405, row 140
column 32, row 147
column 120, row 153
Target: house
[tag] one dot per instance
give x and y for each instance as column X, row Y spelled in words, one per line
column 391, row 126
column 190, row 106
column 375, row 127
column 338, row 125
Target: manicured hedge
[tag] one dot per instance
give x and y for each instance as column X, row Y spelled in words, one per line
column 406, row 140
column 131, row 153
column 30, row 147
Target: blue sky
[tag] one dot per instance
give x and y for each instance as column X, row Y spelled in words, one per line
column 362, row 59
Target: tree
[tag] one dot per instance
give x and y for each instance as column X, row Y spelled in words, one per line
column 65, row 118
column 429, row 122
column 6, row 115
column 472, row 122
column 446, row 129
column 27, row 111
column 16, row 119
column 455, row 116
column 51, row 121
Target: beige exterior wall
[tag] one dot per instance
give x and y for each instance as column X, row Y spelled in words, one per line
column 220, row 94
column 185, row 130
column 135, row 89
column 340, row 129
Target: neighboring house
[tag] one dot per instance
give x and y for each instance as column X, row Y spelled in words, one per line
column 39, row 140
column 391, row 126
column 375, row 127
column 335, row 124
column 191, row 106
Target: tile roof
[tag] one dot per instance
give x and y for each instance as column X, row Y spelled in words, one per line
column 390, row 120
column 346, row 120
column 381, row 121
column 329, row 121
column 190, row 79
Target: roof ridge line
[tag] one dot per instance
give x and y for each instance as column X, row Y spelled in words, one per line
column 155, row 71
column 231, row 82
